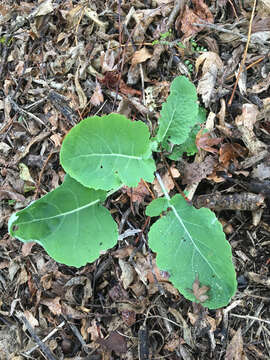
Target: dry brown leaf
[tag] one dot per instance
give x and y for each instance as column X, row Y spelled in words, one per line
column 245, row 123
column 94, row 330
column 114, row 342
column 27, row 248
column 195, row 172
column 53, row 305
column 11, row 195
column 234, row 349
column 140, row 56
column 128, row 273
column 97, row 97
column 167, row 181
column 138, row 193
column 79, row 90
column 205, row 142
column 44, row 8
column 230, row 152
column 191, row 16
column 57, row 139
column 212, row 65
column 30, row 317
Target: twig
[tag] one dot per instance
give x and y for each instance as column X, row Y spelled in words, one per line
column 178, row 7
column 251, row 318
column 19, row 109
column 46, row 337
column 245, row 54
column 46, row 351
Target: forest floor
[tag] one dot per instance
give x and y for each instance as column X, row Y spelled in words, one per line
column 62, row 61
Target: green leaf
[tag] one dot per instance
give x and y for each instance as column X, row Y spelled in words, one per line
column 190, row 244
column 69, row 222
column 179, row 113
column 105, row 152
column 189, row 146
column 156, row 207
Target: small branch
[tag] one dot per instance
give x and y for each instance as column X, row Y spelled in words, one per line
column 245, row 54
column 46, row 351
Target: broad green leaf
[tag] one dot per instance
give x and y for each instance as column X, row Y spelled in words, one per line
column 105, row 152
column 190, row 244
column 69, row 222
column 179, row 113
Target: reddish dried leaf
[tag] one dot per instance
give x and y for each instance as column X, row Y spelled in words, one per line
column 126, row 90
column 128, row 317
column 230, row 152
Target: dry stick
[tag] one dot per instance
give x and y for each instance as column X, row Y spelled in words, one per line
column 249, row 66
column 235, row 14
column 47, row 352
column 178, row 7
column 46, row 337
column 251, row 318
column 245, row 54
column 41, row 173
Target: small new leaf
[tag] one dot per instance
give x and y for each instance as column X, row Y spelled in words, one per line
column 179, row 113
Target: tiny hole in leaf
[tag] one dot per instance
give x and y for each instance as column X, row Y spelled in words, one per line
column 100, row 243
column 15, row 227
column 101, row 166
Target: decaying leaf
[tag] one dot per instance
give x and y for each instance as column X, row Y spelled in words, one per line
column 97, row 97
column 138, row 193
column 195, row 172
column 128, row 273
column 198, row 14
column 245, row 123
column 261, row 171
column 234, row 349
column 167, row 181
column 199, row 291
column 230, row 152
column 212, row 65
column 53, row 304
column 205, row 142
column 140, row 56
column 114, row 342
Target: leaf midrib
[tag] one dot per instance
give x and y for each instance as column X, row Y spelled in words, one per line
column 61, row 214
column 191, row 239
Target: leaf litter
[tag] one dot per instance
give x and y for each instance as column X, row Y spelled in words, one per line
column 62, row 61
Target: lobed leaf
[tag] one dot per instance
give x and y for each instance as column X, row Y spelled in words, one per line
column 69, row 222
column 190, row 244
column 106, row 152
column 179, row 113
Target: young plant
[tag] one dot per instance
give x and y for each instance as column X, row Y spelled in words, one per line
column 101, row 154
